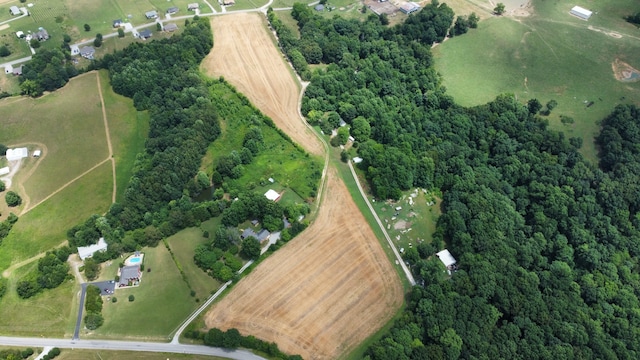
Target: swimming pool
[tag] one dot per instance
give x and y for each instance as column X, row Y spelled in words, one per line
column 134, row 260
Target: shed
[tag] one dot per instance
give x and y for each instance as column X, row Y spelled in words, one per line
column 193, row 6
column 170, row 27
column 272, row 195
column 357, row 160
column 580, row 12
column 88, row 251
column 14, row 10
column 446, row 258
column 151, row 14
column 228, row 2
column 4, row 171
column 409, row 7
column 17, row 153
column 172, row 10
column 87, row 52
column 319, row 7
column 145, row 34
column 37, row 153
column 20, row 34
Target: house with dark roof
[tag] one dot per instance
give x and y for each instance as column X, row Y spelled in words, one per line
column 41, row 35
column 151, row 14
column 248, row 232
column 117, row 23
column 17, row 71
column 145, row 34
column 172, row 10
column 263, row 235
column 87, row 52
column 129, row 275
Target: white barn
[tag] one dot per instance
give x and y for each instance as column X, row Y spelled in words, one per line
column 446, row 258
column 88, row 251
column 17, row 153
column 580, row 12
column 272, row 195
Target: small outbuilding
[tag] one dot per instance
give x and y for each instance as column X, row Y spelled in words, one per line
column 14, row 10
column 580, row 12
column 447, row 259
column 87, row 52
column 170, row 27
column 4, row 171
column 357, row 160
column 272, row 195
column 37, row 153
column 88, row 251
column 17, row 154
column 228, row 2
column 20, row 34
column 409, row 7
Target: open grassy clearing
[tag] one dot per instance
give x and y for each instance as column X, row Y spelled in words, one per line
column 128, row 128
column 68, row 123
column 77, row 354
column 247, row 4
column 289, row 21
column 288, row 3
column 183, row 245
column 549, row 55
column 162, row 302
column 46, row 225
column 49, row 313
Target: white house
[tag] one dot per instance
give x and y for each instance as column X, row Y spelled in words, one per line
column 4, row 171
column 272, row 195
column 580, row 12
column 14, row 10
column 17, row 153
column 88, row 251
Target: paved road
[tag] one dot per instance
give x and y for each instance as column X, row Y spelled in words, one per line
column 129, row 346
column 76, row 333
column 406, row 270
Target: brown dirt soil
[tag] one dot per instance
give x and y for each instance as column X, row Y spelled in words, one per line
column 322, row 294
column 244, row 53
column 332, row 286
column 624, row 72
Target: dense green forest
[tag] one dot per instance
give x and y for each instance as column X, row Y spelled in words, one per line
column 547, row 242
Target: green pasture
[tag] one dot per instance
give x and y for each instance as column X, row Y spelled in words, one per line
column 78, row 354
column 289, row 21
column 183, row 245
column 347, row 9
column 280, row 160
column 246, row 4
column 549, row 55
column 51, row 313
column 162, row 302
column 128, row 129
column 46, row 225
column 68, row 122
column 278, row 4
column 18, row 47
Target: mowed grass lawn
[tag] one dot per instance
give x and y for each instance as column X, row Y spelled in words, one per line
column 549, row 55
column 183, row 245
column 162, row 302
column 49, row 313
column 77, row 354
column 68, row 122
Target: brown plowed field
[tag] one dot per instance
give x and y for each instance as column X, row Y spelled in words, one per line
column 244, row 53
column 332, row 286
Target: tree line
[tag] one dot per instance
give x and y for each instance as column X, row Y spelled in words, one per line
column 546, row 242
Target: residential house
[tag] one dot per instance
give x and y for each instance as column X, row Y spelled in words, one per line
column 172, row 10
column 409, row 8
column 41, row 35
column 87, row 52
column 17, row 71
column 14, row 10
column 193, row 7
column 117, row 23
column 145, row 34
column 170, row 27
column 151, row 14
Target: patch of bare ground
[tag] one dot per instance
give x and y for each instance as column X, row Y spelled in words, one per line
column 624, row 72
column 244, row 53
column 322, row 294
column 332, row 286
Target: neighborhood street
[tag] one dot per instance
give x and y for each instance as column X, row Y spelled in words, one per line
column 129, row 346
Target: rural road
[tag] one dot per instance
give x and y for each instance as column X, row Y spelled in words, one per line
column 83, row 294
column 401, row 262
column 115, row 345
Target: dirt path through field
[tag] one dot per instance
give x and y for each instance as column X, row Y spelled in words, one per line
column 244, row 53
column 332, row 286
column 107, row 133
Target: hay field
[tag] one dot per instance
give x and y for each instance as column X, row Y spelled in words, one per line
column 332, row 286
column 322, row 294
column 245, row 54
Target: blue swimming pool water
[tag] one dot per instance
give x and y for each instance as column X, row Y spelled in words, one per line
column 134, row 260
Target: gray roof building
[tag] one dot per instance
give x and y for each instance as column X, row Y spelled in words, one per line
column 129, row 273
column 170, row 27
column 87, row 52
column 145, row 34
column 151, row 14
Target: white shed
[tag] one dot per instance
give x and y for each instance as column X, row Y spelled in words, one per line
column 37, row 153
column 272, row 195
column 88, row 251
column 446, row 258
column 4, row 171
column 17, row 153
column 357, row 160
column 580, row 12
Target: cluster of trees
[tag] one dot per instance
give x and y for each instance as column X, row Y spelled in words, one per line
column 48, row 70
column 232, row 339
column 4, row 51
column 91, row 269
column 5, row 226
column 634, row 19
column 15, row 354
column 12, row 198
column 52, row 270
column 546, row 242
column 93, row 307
